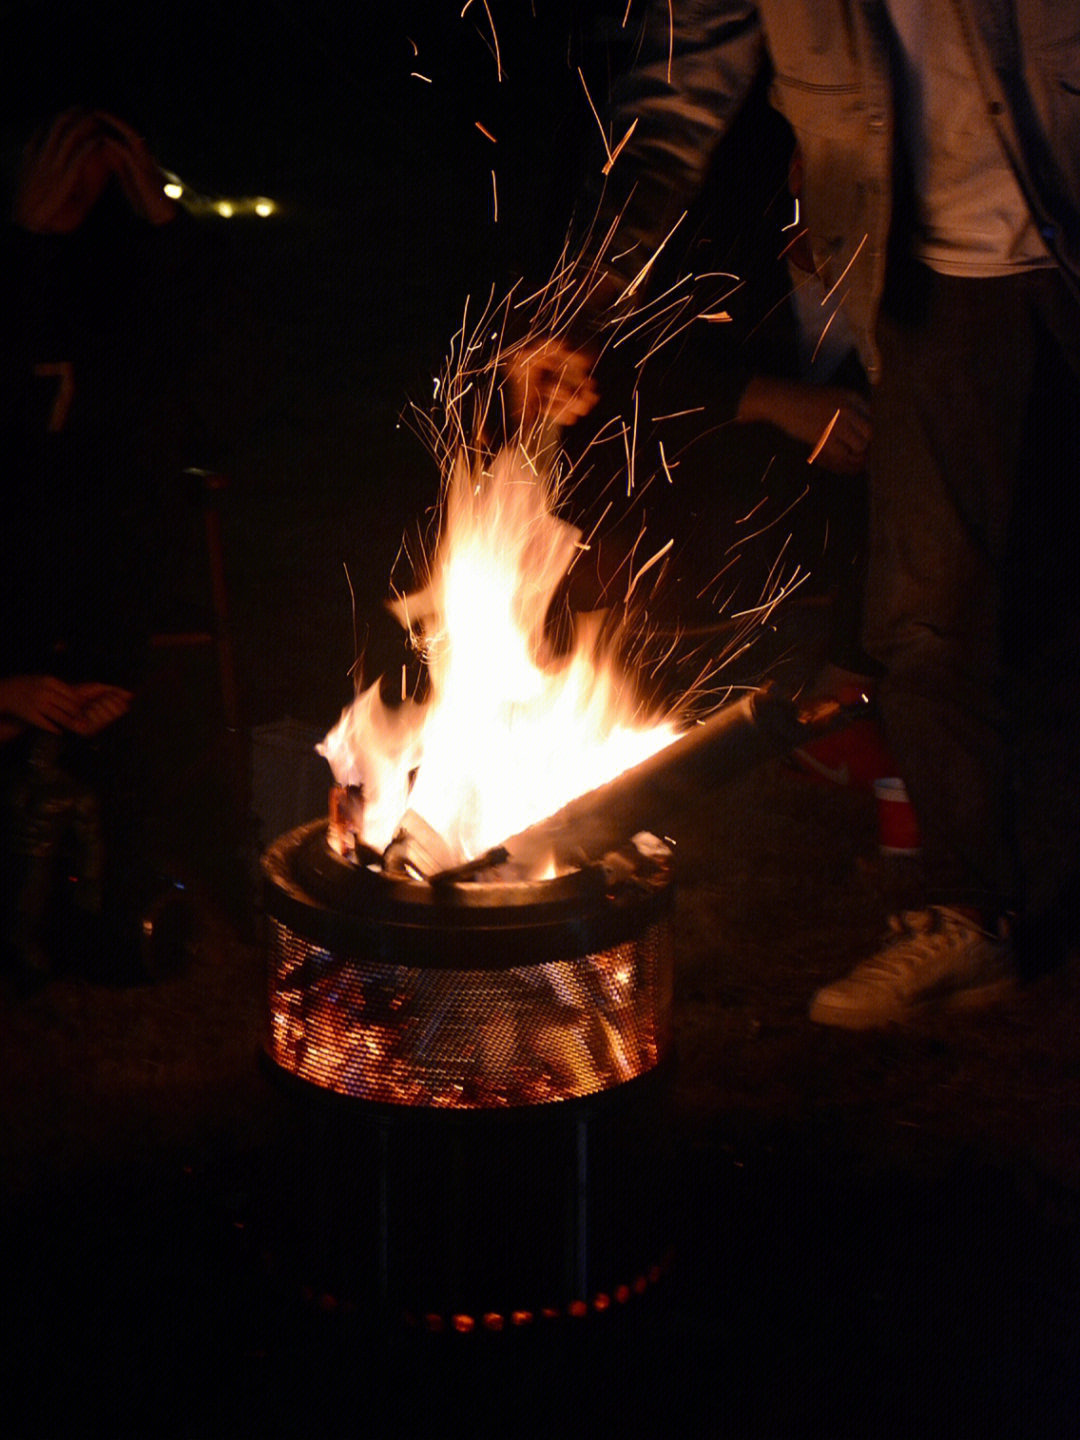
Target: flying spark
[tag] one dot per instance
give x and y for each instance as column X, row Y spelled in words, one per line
column 643, row 272
column 494, row 38
column 798, row 499
column 600, row 123
column 793, row 242
column 823, row 440
column 751, row 513
column 613, row 155
column 648, row 566
column 837, row 282
column 824, row 332
column 664, row 463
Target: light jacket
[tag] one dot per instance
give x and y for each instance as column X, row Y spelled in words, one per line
column 832, row 79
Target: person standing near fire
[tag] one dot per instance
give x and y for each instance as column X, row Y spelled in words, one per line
column 941, row 194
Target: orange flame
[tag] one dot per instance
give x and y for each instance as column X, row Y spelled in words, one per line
column 510, row 730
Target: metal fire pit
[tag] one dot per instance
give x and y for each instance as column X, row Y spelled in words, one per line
column 469, row 995
column 479, row 1067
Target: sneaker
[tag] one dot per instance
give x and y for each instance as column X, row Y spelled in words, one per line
column 931, row 957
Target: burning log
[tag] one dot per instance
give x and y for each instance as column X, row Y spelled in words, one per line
column 761, row 726
column 346, row 820
column 417, row 850
column 591, row 828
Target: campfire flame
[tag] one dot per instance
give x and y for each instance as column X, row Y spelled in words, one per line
column 511, row 728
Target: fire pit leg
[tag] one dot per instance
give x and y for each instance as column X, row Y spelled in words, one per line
column 383, row 1210
column 581, row 1187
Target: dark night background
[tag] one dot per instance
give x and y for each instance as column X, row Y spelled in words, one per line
column 315, row 329
column 877, row 1235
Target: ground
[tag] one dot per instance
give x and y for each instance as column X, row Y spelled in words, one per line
column 869, row 1233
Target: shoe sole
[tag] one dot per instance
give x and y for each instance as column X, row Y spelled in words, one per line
column 851, row 1019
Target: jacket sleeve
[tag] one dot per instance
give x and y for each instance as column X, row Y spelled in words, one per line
column 694, row 66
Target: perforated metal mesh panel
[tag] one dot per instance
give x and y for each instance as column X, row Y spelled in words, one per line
column 469, row 1039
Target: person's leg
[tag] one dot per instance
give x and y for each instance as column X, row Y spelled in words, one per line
column 1042, row 635
column 949, row 430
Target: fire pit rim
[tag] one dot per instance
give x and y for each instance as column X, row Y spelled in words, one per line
column 410, row 923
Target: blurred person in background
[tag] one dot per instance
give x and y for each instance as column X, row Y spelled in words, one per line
column 86, row 412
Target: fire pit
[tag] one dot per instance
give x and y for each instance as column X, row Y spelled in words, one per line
column 480, row 1059
column 475, row 1059
column 467, row 995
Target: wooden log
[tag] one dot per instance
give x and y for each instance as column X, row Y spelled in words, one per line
column 760, row 726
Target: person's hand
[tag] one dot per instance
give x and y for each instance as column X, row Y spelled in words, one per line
column 549, row 383
column 806, row 412
column 48, row 703
column 66, row 168
column 136, row 169
column 100, row 705
column 62, row 175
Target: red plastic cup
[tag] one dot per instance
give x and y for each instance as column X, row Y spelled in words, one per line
column 898, row 829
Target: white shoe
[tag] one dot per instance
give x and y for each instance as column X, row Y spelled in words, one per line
column 932, row 957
